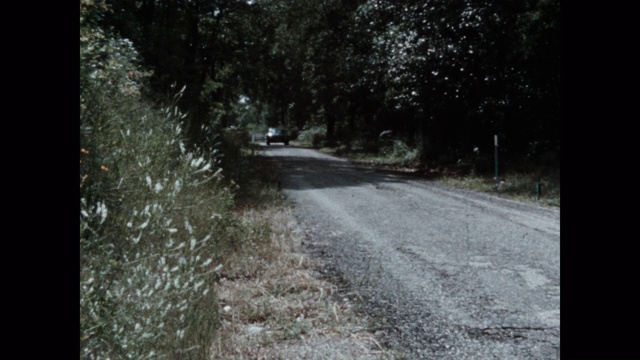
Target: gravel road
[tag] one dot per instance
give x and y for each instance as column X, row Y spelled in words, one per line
column 450, row 274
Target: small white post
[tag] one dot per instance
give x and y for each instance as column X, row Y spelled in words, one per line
column 495, row 141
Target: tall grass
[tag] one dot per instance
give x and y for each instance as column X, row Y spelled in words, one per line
column 155, row 217
column 153, row 222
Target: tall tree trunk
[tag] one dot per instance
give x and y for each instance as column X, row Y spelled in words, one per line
column 192, row 72
column 147, row 15
column 427, row 137
column 331, row 125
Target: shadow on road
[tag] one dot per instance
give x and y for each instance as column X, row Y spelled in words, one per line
column 303, row 169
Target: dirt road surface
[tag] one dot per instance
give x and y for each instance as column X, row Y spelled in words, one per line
column 450, row 274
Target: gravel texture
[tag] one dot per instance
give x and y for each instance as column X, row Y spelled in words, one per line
column 447, row 273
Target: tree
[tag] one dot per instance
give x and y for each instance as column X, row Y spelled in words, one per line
column 444, row 76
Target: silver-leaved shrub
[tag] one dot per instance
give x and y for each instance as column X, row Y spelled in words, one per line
column 153, row 214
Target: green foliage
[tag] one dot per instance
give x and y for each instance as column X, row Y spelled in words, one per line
column 313, row 136
column 155, row 214
column 400, row 153
column 444, row 76
column 386, row 149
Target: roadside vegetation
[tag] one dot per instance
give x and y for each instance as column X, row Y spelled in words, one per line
column 532, row 178
column 156, row 215
column 186, row 251
column 273, row 302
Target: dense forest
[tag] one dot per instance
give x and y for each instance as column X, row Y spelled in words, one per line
column 442, row 76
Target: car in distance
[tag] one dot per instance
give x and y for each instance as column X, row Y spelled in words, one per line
column 277, row 135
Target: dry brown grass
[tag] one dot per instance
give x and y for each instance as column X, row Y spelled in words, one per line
column 273, row 304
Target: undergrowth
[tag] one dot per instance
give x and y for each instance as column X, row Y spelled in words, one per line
column 313, row 136
column 384, row 150
column 535, row 179
column 156, row 217
column 182, row 248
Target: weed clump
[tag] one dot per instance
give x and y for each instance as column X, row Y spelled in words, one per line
column 313, row 136
column 155, row 216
